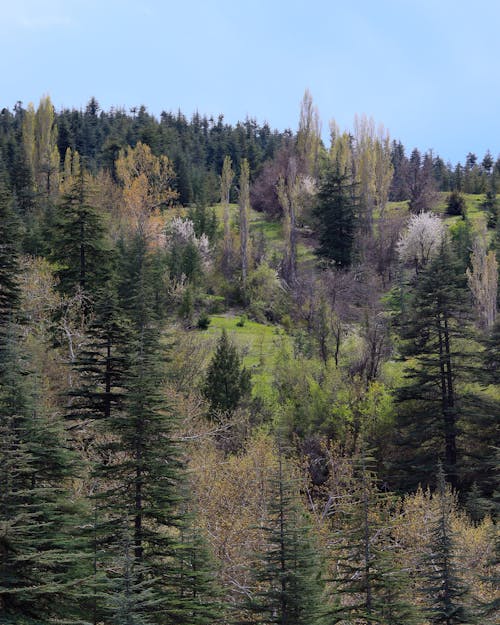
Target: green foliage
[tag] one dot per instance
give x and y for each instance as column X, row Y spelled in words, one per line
column 429, row 410
column 444, row 589
column 287, row 575
column 368, row 586
column 336, row 216
column 455, row 204
column 203, row 321
column 78, row 241
column 204, row 221
column 226, row 382
column 43, row 559
column 9, row 269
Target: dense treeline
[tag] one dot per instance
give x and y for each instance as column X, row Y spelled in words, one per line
column 338, row 464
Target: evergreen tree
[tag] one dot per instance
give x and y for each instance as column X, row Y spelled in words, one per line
column 79, row 245
column 142, row 496
column 9, row 269
column 369, row 587
column 287, row 576
column 444, row 589
column 227, row 382
column 102, row 366
column 42, row 558
column 429, row 410
column 336, row 216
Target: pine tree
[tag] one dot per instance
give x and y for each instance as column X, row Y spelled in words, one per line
column 287, row 575
column 102, row 366
column 444, row 589
column 368, row 587
column 43, row 560
column 336, row 216
column 79, row 245
column 142, row 500
column 429, row 409
column 227, row 382
column 197, row 593
column 9, row 269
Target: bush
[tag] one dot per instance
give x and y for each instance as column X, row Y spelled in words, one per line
column 203, row 321
column 242, row 320
column 455, row 204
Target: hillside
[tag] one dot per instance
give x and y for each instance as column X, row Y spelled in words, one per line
column 244, row 376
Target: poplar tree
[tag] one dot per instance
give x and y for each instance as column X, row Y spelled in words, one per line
column 225, row 188
column 244, row 217
column 287, row 190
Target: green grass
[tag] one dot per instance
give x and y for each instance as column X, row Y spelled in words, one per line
column 257, row 342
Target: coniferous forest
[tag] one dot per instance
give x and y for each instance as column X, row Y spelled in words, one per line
column 246, row 375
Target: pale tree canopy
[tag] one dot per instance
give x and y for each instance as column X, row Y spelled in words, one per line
column 421, row 240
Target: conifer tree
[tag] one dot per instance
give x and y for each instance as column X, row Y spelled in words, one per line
column 287, row 575
column 429, row 410
column 9, row 269
column 79, row 245
column 227, row 382
column 42, row 560
column 336, row 217
column 368, row 586
column 444, row 589
column 143, row 500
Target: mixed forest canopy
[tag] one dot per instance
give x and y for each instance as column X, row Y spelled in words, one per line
column 246, row 375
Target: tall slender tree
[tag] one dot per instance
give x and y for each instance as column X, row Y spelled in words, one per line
column 244, row 217
column 445, row 591
column 225, row 189
column 287, row 576
column 429, row 409
column 336, row 217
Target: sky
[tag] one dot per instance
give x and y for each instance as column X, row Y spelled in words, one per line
column 428, row 70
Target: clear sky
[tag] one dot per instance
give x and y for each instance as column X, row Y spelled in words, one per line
column 429, row 70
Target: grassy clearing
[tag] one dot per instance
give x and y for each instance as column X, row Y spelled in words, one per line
column 257, row 342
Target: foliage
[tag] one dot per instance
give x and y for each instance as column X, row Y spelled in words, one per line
column 422, row 240
column 455, row 204
column 227, row 382
column 336, row 214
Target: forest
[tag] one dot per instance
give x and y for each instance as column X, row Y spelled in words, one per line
column 246, row 375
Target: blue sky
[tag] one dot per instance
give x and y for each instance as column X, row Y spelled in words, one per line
column 429, row 70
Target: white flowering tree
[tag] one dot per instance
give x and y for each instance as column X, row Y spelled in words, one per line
column 421, row 240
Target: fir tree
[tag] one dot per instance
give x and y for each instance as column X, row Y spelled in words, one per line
column 429, row 410
column 227, row 382
column 43, row 560
column 9, row 268
column 336, row 216
column 287, row 576
column 79, row 245
column 368, row 587
column 444, row 589
column 143, row 496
